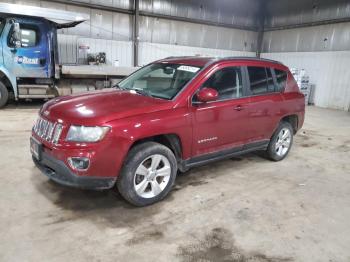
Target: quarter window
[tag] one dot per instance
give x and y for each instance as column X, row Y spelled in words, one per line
column 281, row 79
column 227, row 82
column 258, row 80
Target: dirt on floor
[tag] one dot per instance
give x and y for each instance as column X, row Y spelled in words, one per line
column 242, row 209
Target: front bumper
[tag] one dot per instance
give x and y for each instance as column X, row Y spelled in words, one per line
column 58, row 171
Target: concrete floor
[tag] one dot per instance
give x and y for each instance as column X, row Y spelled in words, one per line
column 243, row 209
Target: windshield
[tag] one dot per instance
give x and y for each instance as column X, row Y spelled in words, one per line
column 161, row 80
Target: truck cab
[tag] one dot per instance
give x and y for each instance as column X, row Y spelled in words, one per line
column 29, row 65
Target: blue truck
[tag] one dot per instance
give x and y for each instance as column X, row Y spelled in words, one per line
column 29, row 59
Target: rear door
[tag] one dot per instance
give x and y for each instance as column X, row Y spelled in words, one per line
column 265, row 107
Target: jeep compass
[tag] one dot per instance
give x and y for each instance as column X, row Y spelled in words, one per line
column 168, row 116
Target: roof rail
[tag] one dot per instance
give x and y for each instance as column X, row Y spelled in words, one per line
column 187, row 56
column 250, row 58
column 216, row 59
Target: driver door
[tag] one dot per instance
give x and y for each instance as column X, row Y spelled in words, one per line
column 32, row 58
column 221, row 124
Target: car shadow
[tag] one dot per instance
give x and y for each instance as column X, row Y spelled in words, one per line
column 108, row 208
column 104, row 208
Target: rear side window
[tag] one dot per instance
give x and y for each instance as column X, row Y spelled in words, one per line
column 281, row 79
column 258, row 80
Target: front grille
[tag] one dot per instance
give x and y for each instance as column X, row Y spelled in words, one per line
column 47, row 130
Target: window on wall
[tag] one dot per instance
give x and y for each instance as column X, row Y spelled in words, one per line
column 227, row 82
column 281, row 79
column 258, row 80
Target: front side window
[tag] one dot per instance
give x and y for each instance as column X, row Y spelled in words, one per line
column 227, row 82
column 281, row 79
column 258, row 80
column 161, row 80
column 29, row 36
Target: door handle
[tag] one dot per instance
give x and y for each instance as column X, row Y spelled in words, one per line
column 238, row 108
column 42, row 61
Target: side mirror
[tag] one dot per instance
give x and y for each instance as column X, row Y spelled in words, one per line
column 16, row 35
column 207, row 94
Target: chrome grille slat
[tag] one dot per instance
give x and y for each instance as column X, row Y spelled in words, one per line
column 45, row 129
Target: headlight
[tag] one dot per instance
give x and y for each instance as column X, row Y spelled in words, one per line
column 86, row 133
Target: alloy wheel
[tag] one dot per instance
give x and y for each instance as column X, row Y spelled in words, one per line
column 283, row 142
column 152, row 176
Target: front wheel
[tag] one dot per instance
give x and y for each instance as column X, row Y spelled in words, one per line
column 148, row 174
column 281, row 142
column 4, row 95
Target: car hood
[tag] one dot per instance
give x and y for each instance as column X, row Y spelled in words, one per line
column 100, row 107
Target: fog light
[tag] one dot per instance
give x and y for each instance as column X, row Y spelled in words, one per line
column 79, row 163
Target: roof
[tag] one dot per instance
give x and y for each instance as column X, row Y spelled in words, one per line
column 62, row 19
column 202, row 61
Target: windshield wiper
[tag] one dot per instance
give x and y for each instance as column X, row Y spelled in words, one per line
column 141, row 92
column 118, row 87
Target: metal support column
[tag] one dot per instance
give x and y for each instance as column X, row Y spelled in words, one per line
column 261, row 25
column 136, row 33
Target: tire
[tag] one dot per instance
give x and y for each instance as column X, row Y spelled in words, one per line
column 139, row 181
column 279, row 147
column 4, row 95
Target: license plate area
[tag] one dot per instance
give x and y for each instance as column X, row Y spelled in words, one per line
column 35, row 148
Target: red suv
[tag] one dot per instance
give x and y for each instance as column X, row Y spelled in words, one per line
column 170, row 115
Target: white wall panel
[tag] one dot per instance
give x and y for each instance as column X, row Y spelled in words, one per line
column 115, row 50
column 68, row 49
column 332, row 37
column 328, row 70
column 151, row 51
column 166, row 31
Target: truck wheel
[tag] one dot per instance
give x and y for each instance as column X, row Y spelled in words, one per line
column 281, row 142
column 148, row 174
column 4, row 95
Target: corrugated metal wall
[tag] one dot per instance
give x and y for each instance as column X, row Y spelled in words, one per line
column 285, row 12
column 333, row 37
column 111, row 32
column 323, row 51
column 165, row 31
column 237, row 12
column 152, row 51
column 328, row 70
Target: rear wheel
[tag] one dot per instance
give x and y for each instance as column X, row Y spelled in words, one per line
column 148, row 174
column 4, row 95
column 281, row 142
